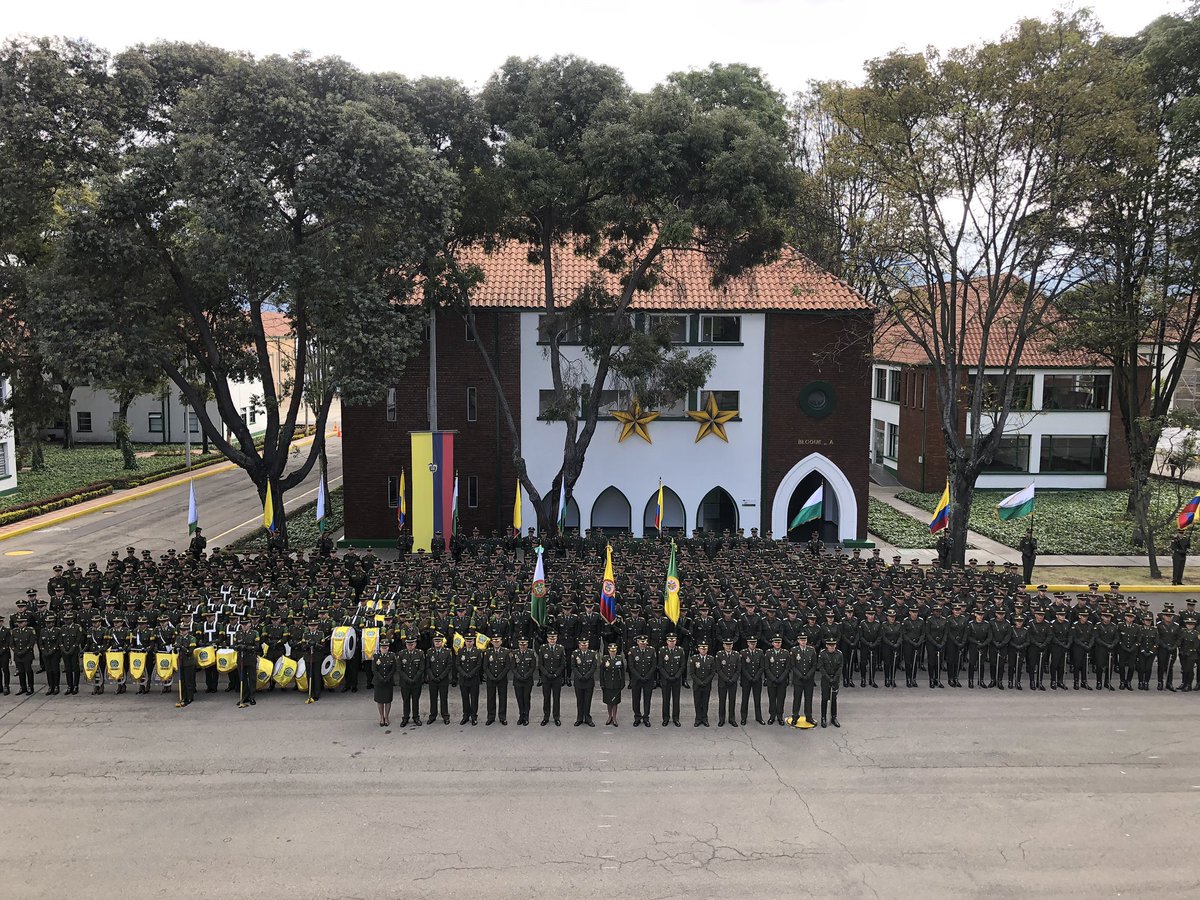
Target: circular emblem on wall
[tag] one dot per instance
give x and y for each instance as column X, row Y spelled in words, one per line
column 818, row 399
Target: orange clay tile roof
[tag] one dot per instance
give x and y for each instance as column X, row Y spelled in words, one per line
column 276, row 324
column 791, row 283
column 893, row 344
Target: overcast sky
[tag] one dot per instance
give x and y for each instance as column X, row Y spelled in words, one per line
column 793, row 41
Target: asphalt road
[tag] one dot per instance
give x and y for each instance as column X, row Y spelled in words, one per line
column 920, row 794
column 228, row 506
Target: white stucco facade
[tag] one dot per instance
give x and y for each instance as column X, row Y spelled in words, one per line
column 154, row 418
column 8, row 444
column 689, row 468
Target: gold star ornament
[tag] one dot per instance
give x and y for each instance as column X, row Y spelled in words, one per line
column 712, row 420
column 634, row 421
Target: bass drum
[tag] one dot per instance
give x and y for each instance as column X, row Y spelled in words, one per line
column 265, row 671
column 285, row 671
column 226, row 660
column 301, row 676
column 332, row 672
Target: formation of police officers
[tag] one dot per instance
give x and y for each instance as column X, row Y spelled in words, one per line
column 756, row 613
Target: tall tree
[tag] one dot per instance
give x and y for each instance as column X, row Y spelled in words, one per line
column 1138, row 305
column 698, row 165
column 249, row 185
column 981, row 156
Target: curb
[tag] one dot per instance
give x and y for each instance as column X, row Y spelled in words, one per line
column 1125, row 588
column 165, row 485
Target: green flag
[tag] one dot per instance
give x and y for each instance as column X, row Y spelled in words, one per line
column 810, row 510
column 537, row 594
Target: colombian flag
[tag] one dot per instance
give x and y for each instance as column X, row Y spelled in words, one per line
column 268, row 519
column 608, row 591
column 433, row 487
column 1187, row 515
column 658, row 514
column 941, row 513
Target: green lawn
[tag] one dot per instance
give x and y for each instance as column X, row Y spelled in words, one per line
column 896, row 528
column 1065, row 522
column 68, row 470
column 302, row 527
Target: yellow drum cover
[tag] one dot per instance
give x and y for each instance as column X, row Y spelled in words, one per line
column 206, row 657
column 370, row 641
column 284, row 672
column 265, row 670
column 301, row 676
column 337, row 641
column 137, row 665
column 114, row 666
column 91, row 665
column 165, row 664
column 226, row 660
column 332, row 672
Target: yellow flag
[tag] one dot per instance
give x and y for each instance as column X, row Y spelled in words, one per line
column 268, row 511
column 517, row 509
column 482, row 641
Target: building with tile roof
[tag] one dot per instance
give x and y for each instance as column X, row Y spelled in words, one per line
column 1063, row 431
column 790, row 386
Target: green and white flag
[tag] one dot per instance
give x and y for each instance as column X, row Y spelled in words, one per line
column 811, row 509
column 193, row 516
column 454, row 513
column 321, row 505
column 1014, row 506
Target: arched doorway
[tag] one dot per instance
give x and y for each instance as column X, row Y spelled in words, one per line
column 611, row 513
column 841, row 505
column 674, row 516
column 717, row 512
column 827, row 524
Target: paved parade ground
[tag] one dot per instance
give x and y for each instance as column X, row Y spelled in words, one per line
column 920, row 794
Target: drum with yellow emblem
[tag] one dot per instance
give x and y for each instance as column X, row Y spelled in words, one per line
column 226, row 659
column 332, row 672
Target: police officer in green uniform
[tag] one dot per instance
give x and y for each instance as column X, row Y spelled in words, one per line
column 524, row 671
column 24, row 642
column 643, row 667
column 829, row 668
column 552, row 668
column 776, row 669
column 410, row 665
column 803, row 660
column 583, row 678
column 248, row 644
column 439, row 667
column 752, row 664
column 497, row 666
column 672, row 666
column 702, row 669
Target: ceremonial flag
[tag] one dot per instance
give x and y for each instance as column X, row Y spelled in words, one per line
column 537, row 594
column 482, row 641
column 433, row 486
column 458, row 642
column 811, row 509
column 1014, row 506
column 608, row 590
column 401, row 505
column 941, row 513
column 321, row 505
column 517, row 509
column 658, row 513
column 193, row 516
column 1188, row 514
column 454, row 508
column 671, row 598
column 269, row 511
column 562, row 505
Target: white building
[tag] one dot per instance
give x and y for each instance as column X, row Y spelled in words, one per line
column 8, row 445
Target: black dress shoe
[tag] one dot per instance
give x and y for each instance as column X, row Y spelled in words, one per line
column 733, row 723
column 578, row 722
column 557, row 722
column 544, row 721
column 474, row 720
column 823, row 725
column 465, row 720
column 696, row 724
column 589, row 723
column 431, row 720
column 674, row 722
column 503, row 722
column 744, row 722
column 759, row 721
column 835, row 723
column 665, row 721
column 489, row 721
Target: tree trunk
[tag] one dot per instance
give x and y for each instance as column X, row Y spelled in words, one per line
column 962, row 491
column 279, row 540
column 68, row 431
column 128, row 457
column 37, row 457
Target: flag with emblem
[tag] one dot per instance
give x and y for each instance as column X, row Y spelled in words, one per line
column 537, row 593
column 608, row 589
column 658, row 510
column 671, row 595
column 321, row 502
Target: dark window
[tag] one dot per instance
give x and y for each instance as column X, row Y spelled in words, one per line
column 1073, row 453
column 393, row 491
column 1022, row 391
column 880, row 392
column 155, row 423
column 391, row 404
column 675, row 327
column 721, row 329
column 4, row 473
column 1012, row 455
column 726, row 400
column 547, row 404
column 893, row 441
column 253, row 413
column 568, row 332
column 893, row 393
column 472, row 405
column 83, row 421
column 472, row 491
column 1075, row 392
column 468, row 333
column 193, row 423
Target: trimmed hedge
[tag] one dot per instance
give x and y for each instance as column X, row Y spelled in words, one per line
column 52, row 504
column 896, row 528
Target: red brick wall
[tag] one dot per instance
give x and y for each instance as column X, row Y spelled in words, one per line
column 920, row 432
column 807, row 347
column 374, row 448
column 1118, row 449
